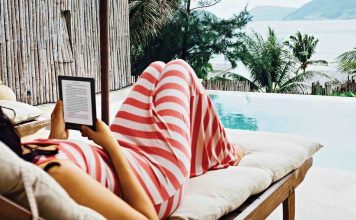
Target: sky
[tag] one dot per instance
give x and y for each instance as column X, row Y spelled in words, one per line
column 226, row 8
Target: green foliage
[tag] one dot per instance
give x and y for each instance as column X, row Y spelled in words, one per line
column 344, row 94
column 147, row 18
column 303, row 48
column 347, row 62
column 210, row 36
column 179, row 31
column 272, row 66
column 195, row 36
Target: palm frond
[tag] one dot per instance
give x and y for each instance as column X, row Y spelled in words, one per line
column 317, row 62
column 302, row 46
column 147, row 17
column 295, row 87
column 226, row 75
column 317, row 73
column 297, row 82
column 347, row 62
column 348, row 56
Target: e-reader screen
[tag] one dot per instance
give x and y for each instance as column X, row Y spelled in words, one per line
column 78, row 96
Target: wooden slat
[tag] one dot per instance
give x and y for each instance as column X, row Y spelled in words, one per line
column 11, row 211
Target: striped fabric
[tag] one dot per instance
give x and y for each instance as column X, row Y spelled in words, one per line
column 92, row 160
column 169, row 132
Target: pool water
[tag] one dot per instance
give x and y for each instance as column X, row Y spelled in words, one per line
column 328, row 120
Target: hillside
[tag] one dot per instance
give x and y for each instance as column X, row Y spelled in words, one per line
column 270, row 13
column 325, row 9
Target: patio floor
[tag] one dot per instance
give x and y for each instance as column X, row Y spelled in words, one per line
column 325, row 194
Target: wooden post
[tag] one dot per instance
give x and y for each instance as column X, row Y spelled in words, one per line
column 289, row 207
column 104, row 58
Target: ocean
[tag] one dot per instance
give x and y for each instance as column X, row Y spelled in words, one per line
column 335, row 37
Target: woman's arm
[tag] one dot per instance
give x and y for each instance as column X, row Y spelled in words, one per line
column 131, row 189
column 90, row 193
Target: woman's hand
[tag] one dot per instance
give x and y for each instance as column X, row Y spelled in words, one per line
column 134, row 194
column 102, row 136
column 58, row 127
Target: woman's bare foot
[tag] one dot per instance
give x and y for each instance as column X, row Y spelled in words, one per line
column 58, row 130
column 239, row 154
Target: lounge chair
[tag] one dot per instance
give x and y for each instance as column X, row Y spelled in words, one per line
column 274, row 165
column 25, row 117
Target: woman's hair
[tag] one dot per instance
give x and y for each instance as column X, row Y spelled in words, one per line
column 8, row 134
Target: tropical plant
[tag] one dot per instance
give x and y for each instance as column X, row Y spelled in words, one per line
column 344, row 94
column 272, row 67
column 347, row 62
column 303, row 47
column 205, row 37
column 148, row 17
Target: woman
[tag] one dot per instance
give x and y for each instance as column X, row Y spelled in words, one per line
column 165, row 132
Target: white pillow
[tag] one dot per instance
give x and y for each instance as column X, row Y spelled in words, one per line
column 18, row 111
column 32, row 188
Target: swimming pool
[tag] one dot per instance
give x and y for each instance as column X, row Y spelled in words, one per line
column 328, row 120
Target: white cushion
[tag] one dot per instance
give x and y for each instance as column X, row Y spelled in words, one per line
column 6, row 93
column 18, row 111
column 269, row 157
column 42, row 191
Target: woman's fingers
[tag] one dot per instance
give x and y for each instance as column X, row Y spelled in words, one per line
column 59, row 106
column 99, row 124
column 58, row 129
column 60, row 111
column 87, row 132
column 53, row 115
column 57, row 112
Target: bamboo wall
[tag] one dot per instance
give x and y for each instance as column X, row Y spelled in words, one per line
column 41, row 39
column 225, row 85
column 330, row 87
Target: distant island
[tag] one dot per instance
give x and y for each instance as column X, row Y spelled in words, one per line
column 314, row 10
column 325, row 9
column 270, row 13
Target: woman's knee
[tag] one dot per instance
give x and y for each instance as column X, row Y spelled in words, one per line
column 153, row 70
column 180, row 66
column 158, row 66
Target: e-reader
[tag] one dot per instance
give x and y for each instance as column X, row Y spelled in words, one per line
column 78, row 97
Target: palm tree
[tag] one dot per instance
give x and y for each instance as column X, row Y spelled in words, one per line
column 303, row 48
column 347, row 62
column 272, row 67
column 148, row 17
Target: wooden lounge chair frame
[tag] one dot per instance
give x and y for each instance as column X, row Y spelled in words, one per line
column 283, row 191
column 256, row 207
column 31, row 127
column 12, row 211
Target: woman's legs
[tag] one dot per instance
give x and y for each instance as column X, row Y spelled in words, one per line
column 170, row 132
column 150, row 146
column 181, row 96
